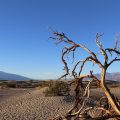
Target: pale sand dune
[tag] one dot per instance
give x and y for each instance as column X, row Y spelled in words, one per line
column 30, row 105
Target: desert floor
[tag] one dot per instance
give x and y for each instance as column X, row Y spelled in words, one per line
column 30, row 104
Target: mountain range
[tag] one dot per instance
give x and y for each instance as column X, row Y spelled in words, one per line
column 111, row 76
column 9, row 76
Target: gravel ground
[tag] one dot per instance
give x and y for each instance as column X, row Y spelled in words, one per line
column 30, row 104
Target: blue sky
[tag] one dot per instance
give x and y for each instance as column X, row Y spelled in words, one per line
column 24, row 31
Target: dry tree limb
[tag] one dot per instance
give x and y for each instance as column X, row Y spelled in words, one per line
column 103, row 84
column 101, row 48
column 106, row 117
column 64, row 62
column 82, row 93
column 114, row 60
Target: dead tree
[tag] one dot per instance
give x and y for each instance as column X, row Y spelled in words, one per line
column 82, row 93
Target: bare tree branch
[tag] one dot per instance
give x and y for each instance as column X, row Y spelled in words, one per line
column 112, row 50
column 82, row 91
column 114, row 60
column 101, row 48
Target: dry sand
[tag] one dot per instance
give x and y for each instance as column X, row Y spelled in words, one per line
column 30, row 104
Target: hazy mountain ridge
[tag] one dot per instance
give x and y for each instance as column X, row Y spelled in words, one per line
column 111, row 76
column 10, row 76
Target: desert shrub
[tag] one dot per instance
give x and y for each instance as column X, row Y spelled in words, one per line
column 11, row 85
column 57, row 88
column 42, row 84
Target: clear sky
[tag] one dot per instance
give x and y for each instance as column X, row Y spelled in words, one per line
column 24, row 31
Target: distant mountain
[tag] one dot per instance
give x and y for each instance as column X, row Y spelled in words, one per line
column 9, row 76
column 111, row 76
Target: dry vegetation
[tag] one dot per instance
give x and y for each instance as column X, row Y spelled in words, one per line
column 109, row 105
column 57, row 88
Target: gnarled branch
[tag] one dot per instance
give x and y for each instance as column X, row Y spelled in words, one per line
column 82, row 92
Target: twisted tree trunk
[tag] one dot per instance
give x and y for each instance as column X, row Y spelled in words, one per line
column 108, row 93
column 76, row 74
